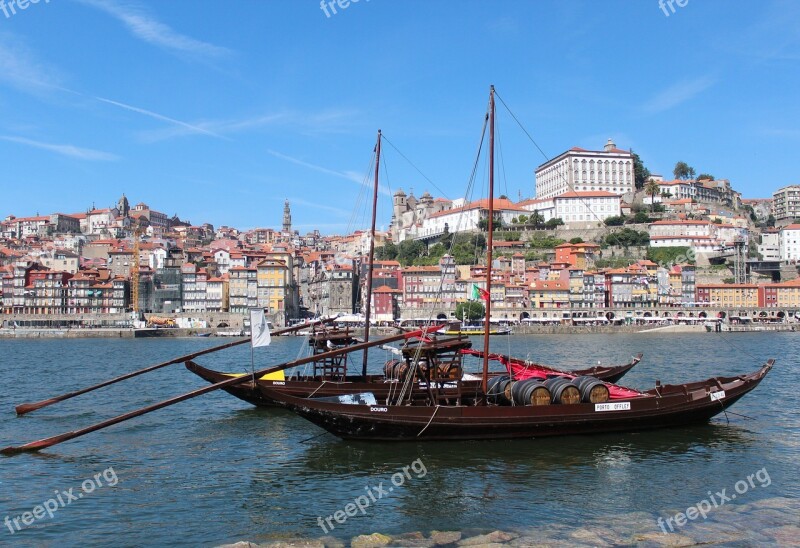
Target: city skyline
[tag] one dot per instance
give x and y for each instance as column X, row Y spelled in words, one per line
column 221, row 115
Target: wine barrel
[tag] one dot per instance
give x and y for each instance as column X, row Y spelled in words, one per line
column 450, row 371
column 536, row 393
column 563, row 391
column 495, row 389
column 592, row 389
column 395, row 369
column 530, row 392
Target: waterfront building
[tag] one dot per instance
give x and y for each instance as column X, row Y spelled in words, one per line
column 217, row 294
column 243, row 289
column 385, row 304
column 273, row 282
column 549, row 294
column 194, row 282
column 93, row 292
column 728, row 295
column 580, row 170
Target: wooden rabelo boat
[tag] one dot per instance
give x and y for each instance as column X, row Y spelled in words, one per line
column 467, row 419
column 433, row 401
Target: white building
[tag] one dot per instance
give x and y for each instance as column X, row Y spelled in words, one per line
column 674, row 190
column 575, row 208
column 699, row 235
column 99, row 220
column 580, row 170
column 790, row 243
column 467, row 217
column 770, row 246
column 587, row 207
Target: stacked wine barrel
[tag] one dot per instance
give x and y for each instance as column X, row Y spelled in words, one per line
column 502, row 390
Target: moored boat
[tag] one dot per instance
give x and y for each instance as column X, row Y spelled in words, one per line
column 662, row 406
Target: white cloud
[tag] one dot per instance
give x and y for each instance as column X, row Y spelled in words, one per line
column 148, row 29
column 64, row 150
column 678, row 93
column 329, row 121
column 186, row 126
column 20, row 69
column 348, row 175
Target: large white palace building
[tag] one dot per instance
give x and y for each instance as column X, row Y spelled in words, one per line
column 580, row 170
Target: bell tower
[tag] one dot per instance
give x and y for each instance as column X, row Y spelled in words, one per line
column 287, row 217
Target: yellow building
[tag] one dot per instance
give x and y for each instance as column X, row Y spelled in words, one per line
column 549, row 294
column 272, row 283
column 729, row 295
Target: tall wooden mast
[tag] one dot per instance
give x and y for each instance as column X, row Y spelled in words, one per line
column 137, row 232
column 368, row 297
column 490, row 227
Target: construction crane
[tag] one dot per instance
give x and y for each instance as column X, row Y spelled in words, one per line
column 137, row 232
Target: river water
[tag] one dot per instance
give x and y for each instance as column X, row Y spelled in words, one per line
column 214, row 470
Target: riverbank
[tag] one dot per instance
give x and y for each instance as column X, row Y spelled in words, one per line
column 128, row 333
column 100, row 333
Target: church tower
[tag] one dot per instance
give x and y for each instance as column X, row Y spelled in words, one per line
column 123, row 206
column 287, row 217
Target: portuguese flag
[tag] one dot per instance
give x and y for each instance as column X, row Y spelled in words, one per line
column 478, row 293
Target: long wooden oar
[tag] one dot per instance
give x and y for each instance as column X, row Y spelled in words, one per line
column 49, row 442
column 28, row 407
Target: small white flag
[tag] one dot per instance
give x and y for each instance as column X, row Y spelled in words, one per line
column 259, row 330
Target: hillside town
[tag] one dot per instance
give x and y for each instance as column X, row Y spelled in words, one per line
column 602, row 236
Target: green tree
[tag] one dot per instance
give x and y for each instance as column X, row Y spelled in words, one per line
column 576, row 241
column 508, row 236
column 536, row 219
column 544, row 242
column 388, row 252
column 670, row 255
column 437, row 250
column 652, row 189
column 471, row 310
column 552, row 223
column 706, row 176
column 683, row 170
column 640, row 218
column 640, row 173
column 617, row 220
column 409, row 250
column 628, row 237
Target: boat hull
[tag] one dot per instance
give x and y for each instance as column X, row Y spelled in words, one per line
column 666, row 406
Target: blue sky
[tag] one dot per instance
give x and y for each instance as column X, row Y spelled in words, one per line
column 218, row 111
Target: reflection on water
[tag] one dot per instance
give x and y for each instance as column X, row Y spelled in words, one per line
column 214, row 470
